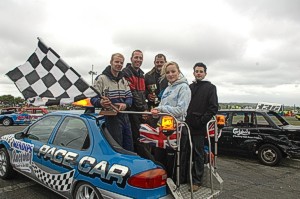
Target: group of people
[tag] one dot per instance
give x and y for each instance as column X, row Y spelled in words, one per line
column 163, row 89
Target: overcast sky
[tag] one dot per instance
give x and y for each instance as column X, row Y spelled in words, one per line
column 251, row 48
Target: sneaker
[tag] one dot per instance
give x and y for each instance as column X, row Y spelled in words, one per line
column 195, row 188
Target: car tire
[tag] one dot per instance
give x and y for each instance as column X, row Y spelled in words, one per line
column 85, row 190
column 7, row 122
column 6, row 170
column 269, row 155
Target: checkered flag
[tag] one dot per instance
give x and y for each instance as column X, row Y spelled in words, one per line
column 59, row 182
column 45, row 79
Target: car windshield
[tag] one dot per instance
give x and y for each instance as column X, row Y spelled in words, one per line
column 277, row 119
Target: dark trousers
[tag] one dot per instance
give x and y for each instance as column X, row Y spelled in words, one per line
column 141, row 149
column 198, row 158
column 168, row 158
column 119, row 128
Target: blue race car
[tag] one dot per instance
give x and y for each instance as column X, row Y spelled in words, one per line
column 23, row 116
column 74, row 155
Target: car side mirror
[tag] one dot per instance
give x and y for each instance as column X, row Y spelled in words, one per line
column 20, row 135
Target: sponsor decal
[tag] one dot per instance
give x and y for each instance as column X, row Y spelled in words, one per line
column 87, row 165
column 242, row 133
column 23, row 118
column 58, row 156
column 268, row 106
column 21, row 153
column 118, row 173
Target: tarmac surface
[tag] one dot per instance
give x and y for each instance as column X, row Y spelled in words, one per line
column 243, row 178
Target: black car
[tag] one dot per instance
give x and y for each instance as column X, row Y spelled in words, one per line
column 263, row 133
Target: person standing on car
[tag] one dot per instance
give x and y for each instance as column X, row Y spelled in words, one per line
column 175, row 101
column 115, row 90
column 154, row 78
column 203, row 106
column 135, row 76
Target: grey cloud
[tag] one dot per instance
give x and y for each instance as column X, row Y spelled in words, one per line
column 208, row 44
column 279, row 9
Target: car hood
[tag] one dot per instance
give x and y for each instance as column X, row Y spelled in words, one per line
column 291, row 127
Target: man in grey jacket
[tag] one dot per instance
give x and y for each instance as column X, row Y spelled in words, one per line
column 112, row 84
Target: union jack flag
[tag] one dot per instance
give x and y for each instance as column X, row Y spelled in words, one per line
column 155, row 137
column 211, row 129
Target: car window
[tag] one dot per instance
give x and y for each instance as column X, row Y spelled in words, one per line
column 261, row 121
column 237, row 119
column 43, row 128
column 277, row 119
column 73, row 133
column 243, row 119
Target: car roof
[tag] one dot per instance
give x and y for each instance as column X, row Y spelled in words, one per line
column 78, row 113
column 243, row 110
column 9, row 108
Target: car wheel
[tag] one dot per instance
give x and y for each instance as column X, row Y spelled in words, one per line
column 6, row 170
column 7, row 122
column 269, row 155
column 84, row 190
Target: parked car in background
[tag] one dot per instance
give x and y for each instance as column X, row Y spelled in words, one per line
column 26, row 115
column 297, row 116
column 263, row 133
column 10, row 110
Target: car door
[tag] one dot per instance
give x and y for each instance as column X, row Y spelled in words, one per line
column 36, row 136
column 240, row 132
column 245, row 131
column 266, row 126
column 62, row 154
column 226, row 139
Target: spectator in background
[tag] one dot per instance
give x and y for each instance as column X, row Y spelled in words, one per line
column 115, row 90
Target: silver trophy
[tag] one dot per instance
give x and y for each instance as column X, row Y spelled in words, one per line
column 153, row 88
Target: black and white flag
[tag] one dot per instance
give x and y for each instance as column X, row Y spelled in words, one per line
column 45, row 79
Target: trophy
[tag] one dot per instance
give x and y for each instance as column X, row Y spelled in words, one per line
column 153, row 88
column 110, row 110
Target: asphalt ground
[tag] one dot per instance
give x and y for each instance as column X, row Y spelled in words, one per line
column 243, row 177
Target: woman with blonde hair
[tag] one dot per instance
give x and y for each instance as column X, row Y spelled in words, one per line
column 175, row 100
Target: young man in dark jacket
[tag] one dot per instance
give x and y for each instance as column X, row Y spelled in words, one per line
column 203, row 106
column 153, row 79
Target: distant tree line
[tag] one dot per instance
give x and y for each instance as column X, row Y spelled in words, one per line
column 9, row 100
